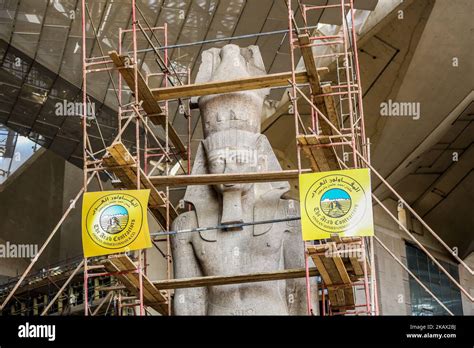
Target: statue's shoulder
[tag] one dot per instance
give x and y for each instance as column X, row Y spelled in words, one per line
column 185, row 220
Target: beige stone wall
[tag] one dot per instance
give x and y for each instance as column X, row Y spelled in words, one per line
column 393, row 280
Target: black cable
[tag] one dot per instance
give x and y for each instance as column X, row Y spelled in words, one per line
column 222, row 227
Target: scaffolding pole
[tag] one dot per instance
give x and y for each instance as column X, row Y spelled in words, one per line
column 330, row 135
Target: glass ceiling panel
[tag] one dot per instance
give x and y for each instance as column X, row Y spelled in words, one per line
column 7, row 15
column 61, row 12
column 60, row 46
column 51, row 47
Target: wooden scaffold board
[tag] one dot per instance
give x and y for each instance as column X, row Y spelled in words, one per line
column 339, row 265
column 122, row 163
column 234, row 279
column 229, row 86
column 125, row 271
column 321, row 158
column 209, row 179
column 149, row 104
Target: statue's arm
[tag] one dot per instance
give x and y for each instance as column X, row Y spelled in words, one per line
column 293, row 253
column 187, row 301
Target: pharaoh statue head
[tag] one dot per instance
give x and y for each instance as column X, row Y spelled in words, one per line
column 231, row 127
column 237, row 110
column 231, row 121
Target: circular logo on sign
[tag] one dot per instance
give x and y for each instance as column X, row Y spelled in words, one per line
column 114, row 221
column 335, row 203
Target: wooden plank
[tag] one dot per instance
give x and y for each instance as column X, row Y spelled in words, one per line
column 151, row 295
column 356, row 266
column 321, row 158
column 317, row 155
column 208, row 179
column 329, row 110
column 233, row 279
column 307, row 151
column 123, row 165
column 349, row 298
column 329, row 268
column 219, row 87
column 326, row 277
column 126, row 278
column 322, row 269
column 310, row 63
column 341, row 269
column 150, row 105
column 144, row 93
column 332, row 270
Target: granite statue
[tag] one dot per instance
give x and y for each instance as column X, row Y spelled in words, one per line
column 233, row 144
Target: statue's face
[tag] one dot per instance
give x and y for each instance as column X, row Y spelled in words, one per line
column 232, row 161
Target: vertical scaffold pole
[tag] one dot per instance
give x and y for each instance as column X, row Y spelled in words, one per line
column 84, row 137
column 137, row 140
column 167, row 150
column 294, row 105
column 119, row 76
column 359, row 85
column 308, row 284
column 349, row 82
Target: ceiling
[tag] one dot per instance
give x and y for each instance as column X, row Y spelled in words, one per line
column 40, row 52
column 416, row 155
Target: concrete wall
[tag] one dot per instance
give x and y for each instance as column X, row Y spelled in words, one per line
column 30, row 205
column 70, row 235
column 393, row 280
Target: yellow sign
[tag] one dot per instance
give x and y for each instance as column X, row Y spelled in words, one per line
column 337, row 202
column 114, row 222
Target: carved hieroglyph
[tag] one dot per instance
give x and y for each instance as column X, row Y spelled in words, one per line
column 233, row 144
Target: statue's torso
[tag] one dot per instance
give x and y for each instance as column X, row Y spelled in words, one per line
column 237, row 252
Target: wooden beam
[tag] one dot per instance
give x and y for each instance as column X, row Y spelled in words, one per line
column 150, row 105
column 356, row 266
column 233, row 279
column 219, row 87
column 322, row 158
column 316, row 156
column 341, row 269
column 123, row 165
column 209, row 179
column 310, row 63
column 124, row 64
column 124, row 270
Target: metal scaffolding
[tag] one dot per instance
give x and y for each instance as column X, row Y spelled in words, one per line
column 336, row 139
column 333, row 137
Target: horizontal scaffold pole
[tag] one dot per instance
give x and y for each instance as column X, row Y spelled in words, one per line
column 229, row 86
column 233, row 279
column 211, row 179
